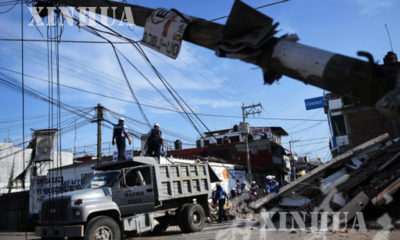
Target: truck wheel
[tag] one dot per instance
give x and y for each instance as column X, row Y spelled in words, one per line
column 102, row 227
column 194, row 218
column 180, row 216
column 163, row 224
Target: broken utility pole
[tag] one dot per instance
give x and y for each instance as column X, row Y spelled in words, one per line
column 249, row 36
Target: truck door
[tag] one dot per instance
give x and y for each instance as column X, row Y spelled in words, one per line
column 136, row 193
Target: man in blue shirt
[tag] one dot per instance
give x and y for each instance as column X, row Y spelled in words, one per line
column 220, row 196
column 155, row 142
column 119, row 134
column 272, row 185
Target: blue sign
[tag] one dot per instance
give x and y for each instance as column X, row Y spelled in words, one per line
column 313, row 103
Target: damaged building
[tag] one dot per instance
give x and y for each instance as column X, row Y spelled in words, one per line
column 363, row 179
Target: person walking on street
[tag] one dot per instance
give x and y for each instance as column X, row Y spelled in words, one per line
column 272, row 190
column 119, row 134
column 220, row 196
column 272, row 185
column 155, row 142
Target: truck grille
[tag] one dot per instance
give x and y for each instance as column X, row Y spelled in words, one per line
column 54, row 210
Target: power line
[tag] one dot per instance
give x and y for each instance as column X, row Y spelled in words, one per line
column 61, row 41
column 312, row 139
column 263, row 6
column 10, row 3
column 216, row 74
column 89, row 72
column 166, row 109
column 306, row 129
column 178, row 99
column 310, row 144
column 36, row 94
column 22, row 83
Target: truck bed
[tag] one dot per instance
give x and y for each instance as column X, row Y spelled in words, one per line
column 173, row 180
column 183, row 180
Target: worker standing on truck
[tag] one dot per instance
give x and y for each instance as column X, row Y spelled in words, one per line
column 155, row 142
column 220, row 196
column 119, row 134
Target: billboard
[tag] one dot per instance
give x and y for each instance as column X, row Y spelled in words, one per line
column 260, row 130
column 46, row 141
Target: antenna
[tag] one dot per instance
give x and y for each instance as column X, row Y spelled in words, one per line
column 390, row 39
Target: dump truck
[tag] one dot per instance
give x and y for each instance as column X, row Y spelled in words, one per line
column 126, row 197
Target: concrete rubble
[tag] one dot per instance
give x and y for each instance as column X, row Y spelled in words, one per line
column 362, row 179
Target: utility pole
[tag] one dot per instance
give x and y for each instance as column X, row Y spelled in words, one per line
column 74, row 154
column 99, row 110
column 292, row 162
column 337, row 73
column 246, row 111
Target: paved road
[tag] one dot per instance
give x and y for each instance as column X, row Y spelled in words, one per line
column 246, row 230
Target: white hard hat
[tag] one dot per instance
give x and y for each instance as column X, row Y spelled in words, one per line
column 156, row 125
column 254, row 182
column 269, row 177
column 122, row 119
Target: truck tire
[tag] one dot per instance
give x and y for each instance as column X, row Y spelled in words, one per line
column 180, row 217
column 163, row 224
column 194, row 218
column 102, row 227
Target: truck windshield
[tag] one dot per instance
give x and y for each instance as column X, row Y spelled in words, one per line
column 101, row 180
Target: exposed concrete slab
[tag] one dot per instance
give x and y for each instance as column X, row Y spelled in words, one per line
column 319, row 171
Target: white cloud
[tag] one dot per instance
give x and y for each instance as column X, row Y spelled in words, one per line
column 371, row 7
column 216, row 103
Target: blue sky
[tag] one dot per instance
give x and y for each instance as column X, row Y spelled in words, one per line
column 209, row 84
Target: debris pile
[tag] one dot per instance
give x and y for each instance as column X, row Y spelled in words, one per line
column 361, row 179
column 364, row 179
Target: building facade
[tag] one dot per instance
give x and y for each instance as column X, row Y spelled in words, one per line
column 267, row 156
column 352, row 124
column 13, row 160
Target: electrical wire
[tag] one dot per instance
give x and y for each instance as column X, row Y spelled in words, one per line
column 259, row 7
column 169, row 88
column 12, row 3
column 61, row 41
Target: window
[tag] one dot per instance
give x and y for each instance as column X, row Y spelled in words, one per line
column 101, row 180
column 132, row 179
column 138, row 177
column 234, row 139
column 339, row 127
column 219, row 140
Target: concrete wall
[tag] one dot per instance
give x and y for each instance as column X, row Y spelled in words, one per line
column 13, row 156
